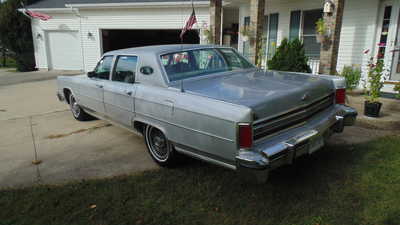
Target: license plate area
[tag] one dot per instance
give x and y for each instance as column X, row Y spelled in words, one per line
column 315, row 144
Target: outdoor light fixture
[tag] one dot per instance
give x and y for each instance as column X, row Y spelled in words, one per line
column 38, row 36
column 89, row 35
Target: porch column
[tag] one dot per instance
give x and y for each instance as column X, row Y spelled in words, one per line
column 257, row 8
column 215, row 20
column 330, row 47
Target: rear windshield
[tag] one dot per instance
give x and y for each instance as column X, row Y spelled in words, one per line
column 200, row 62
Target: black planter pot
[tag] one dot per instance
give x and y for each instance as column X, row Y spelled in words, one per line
column 372, row 109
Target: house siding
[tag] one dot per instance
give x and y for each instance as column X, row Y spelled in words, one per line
column 358, row 33
column 59, row 22
column 96, row 19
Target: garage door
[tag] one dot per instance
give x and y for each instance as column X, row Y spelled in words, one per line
column 64, row 50
column 119, row 39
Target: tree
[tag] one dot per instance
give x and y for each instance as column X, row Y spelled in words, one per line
column 16, row 34
column 290, row 56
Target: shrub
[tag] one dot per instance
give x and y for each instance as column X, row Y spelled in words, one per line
column 290, row 56
column 397, row 89
column 16, row 34
column 352, row 76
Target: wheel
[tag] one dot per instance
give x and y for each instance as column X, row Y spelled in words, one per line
column 160, row 149
column 77, row 111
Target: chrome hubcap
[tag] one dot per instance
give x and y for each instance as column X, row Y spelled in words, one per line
column 158, row 144
column 76, row 110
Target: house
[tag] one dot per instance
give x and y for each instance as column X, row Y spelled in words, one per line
column 82, row 30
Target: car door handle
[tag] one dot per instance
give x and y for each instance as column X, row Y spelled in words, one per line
column 128, row 93
column 99, row 85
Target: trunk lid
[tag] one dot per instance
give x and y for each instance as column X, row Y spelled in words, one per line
column 267, row 93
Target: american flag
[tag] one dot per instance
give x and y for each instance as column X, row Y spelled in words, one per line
column 37, row 15
column 189, row 24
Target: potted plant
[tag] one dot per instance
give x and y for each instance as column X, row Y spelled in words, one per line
column 245, row 32
column 321, row 30
column 397, row 89
column 372, row 106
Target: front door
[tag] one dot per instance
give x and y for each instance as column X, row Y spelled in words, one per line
column 91, row 91
column 395, row 70
column 388, row 46
column 119, row 93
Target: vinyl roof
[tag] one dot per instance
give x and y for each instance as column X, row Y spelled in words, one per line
column 62, row 3
column 159, row 49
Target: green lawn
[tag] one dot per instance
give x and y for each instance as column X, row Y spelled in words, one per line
column 10, row 63
column 342, row 185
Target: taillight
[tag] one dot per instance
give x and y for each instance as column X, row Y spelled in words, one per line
column 341, row 96
column 245, row 136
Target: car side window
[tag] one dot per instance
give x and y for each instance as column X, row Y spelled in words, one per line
column 125, row 69
column 103, row 68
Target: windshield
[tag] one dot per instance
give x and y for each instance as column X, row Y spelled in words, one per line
column 195, row 63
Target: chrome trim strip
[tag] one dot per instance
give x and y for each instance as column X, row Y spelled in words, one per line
column 293, row 109
column 181, row 149
column 186, row 128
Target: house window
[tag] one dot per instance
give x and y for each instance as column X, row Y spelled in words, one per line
column 302, row 26
column 246, row 44
column 309, row 34
column 272, row 34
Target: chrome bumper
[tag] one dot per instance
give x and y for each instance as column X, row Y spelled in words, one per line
column 286, row 147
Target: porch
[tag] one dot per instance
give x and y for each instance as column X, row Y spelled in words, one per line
column 354, row 26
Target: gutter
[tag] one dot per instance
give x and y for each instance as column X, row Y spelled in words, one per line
column 140, row 4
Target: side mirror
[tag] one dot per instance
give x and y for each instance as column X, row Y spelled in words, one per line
column 91, row 74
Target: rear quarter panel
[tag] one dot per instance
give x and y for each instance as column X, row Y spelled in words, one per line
column 197, row 123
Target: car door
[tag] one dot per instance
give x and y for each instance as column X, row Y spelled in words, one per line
column 120, row 91
column 91, row 90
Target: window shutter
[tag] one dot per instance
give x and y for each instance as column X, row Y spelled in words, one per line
column 294, row 31
column 272, row 34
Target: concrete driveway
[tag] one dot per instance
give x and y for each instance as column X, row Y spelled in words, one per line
column 32, row 118
column 34, row 125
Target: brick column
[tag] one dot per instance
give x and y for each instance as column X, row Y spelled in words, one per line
column 257, row 8
column 330, row 47
column 215, row 20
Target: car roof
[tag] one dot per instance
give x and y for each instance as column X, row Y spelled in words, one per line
column 159, row 49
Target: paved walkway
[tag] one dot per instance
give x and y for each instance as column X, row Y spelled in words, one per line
column 9, row 76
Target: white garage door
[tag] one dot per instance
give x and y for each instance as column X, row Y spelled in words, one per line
column 64, row 50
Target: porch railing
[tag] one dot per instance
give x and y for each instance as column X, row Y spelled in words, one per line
column 313, row 62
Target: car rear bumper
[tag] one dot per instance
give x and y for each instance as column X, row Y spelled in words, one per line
column 285, row 147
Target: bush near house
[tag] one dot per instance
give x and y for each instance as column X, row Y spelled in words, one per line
column 352, row 76
column 290, row 56
column 397, row 89
column 16, row 34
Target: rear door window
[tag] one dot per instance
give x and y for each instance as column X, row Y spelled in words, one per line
column 125, row 69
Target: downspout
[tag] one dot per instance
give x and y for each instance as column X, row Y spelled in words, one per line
column 77, row 14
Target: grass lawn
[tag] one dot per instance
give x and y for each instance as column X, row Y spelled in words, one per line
column 342, row 185
column 10, row 63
